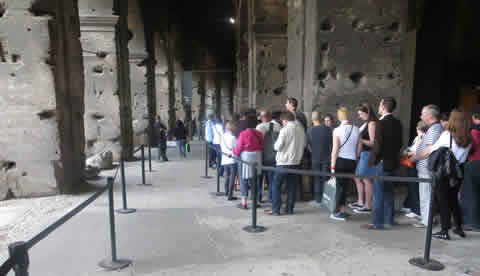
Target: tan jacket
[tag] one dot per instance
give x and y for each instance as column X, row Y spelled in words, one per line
column 290, row 144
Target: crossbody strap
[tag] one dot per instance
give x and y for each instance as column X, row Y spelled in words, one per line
column 348, row 137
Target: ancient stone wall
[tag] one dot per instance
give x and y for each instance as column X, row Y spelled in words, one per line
column 27, row 102
column 355, row 52
column 102, row 119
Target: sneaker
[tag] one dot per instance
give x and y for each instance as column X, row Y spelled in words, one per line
column 412, row 215
column 419, row 225
column 363, row 210
column 338, row 216
column 406, row 210
column 355, row 205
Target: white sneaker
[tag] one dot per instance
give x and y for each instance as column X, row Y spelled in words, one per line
column 412, row 215
column 405, row 210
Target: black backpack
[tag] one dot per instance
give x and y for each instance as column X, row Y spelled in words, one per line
column 269, row 153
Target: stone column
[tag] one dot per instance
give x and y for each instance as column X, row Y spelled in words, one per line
column 138, row 71
column 29, row 141
column 102, row 119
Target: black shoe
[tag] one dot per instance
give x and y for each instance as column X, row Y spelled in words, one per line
column 459, row 232
column 289, row 212
column 232, row 198
column 442, row 235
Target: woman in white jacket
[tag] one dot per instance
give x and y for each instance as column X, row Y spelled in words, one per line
column 227, row 144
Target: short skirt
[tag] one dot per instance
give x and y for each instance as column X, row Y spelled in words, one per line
column 363, row 168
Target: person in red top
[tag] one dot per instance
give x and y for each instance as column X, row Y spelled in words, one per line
column 470, row 190
column 249, row 148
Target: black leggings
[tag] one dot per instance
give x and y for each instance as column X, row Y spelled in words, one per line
column 343, row 166
column 446, row 201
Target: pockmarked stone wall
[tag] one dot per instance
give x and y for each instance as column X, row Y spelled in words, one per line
column 102, row 118
column 351, row 52
column 29, row 139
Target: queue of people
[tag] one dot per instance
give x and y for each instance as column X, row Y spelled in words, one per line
column 373, row 149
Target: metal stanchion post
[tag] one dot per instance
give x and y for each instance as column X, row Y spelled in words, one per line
column 426, row 262
column 114, row 263
column 218, row 193
column 19, row 253
column 254, row 228
column 142, row 150
column 149, row 157
column 206, row 161
column 124, row 210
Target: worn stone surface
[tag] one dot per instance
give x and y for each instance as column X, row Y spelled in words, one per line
column 357, row 49
column 102, row 119
column 27, row 100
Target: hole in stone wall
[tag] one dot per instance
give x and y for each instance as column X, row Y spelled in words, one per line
column 46, row 114
column 98, row 69
column 391, row 76
column 91, row 142
column 15, row 58
column 282, row 67
column 24, row 173
column 262, row 53
column 29, row 29
column 3, row 52
column 322, row 76
column 101, row 54
column 358, row 24
column 334, row 73
column 395, row 27
column 42, row 8
column 322, row 84
column 129, row 35
column 325, row 47
column 8, row 165
column 2, row 8
column 388, row 39
column 326, row 26
column 278, row 91
column 357, row 77
column 97, row 116
column 13, row 75
column 115, row 140
column 49, row 61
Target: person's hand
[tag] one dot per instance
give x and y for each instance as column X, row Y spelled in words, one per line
column 410, row 153
column 412, row 158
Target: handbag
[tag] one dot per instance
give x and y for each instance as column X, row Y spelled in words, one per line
column 331, row 195
column 187, row 147
column 405, row 161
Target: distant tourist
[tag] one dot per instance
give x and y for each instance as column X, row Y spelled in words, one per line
column 319, row 139
column 180, row 134
column 217, row 138
column 209, row 129
column 290, row 146
column 329, row 121
column 227, row 145
column 386, row 155
column 249, row 148
column 343, row 159
column 291, row 105
column 430, row 116
column 162, row 139
column 365, row 144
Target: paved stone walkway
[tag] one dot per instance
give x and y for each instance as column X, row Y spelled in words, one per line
column 179, row 229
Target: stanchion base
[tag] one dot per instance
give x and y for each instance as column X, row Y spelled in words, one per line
column 126, row 211
column 114, row 265
column 257, row 229
column 144, row 184
column 206, row 177
column 217, row 194
column 432, row 265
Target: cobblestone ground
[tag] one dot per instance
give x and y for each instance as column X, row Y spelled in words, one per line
column 180, row 229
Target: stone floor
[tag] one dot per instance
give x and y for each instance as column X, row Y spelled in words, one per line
column 180, row 229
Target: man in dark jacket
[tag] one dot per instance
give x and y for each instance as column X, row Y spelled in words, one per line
column 385, row 155
column 162, row 139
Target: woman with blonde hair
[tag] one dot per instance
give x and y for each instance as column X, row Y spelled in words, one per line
column 345, row 139
column 364, row 146
column 227, row 145
column 457, row 137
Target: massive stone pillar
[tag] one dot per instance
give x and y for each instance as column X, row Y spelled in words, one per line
column 102, row 119
column 138, row 72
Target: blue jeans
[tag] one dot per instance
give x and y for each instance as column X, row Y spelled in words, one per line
column 319, row 181
column 291, row 189
column 181, row 148
column 230, row 173
column 269, row 176
column 382, row 200
column 218, row 151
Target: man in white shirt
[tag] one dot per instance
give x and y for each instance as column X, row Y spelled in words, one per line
column 290, row 146
column 217, row 138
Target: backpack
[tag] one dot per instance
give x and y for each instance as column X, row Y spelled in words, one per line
column 269, row 153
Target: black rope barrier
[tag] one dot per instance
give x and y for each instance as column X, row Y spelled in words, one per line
column 424, row 262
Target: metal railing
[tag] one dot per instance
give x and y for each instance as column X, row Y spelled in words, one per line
column 424, row 262
column 18, row 251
